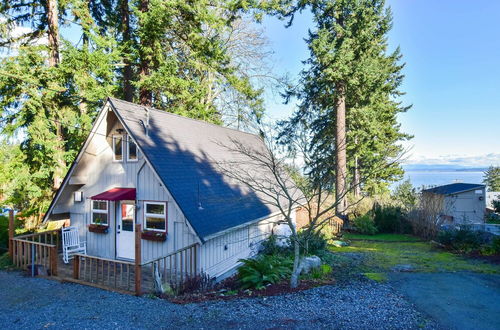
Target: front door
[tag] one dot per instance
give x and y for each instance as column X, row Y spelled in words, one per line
column 125, row 238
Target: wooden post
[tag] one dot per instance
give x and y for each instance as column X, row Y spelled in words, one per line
column 76, row 267
column 11, row 233
column 138, row 277
column 53, row 261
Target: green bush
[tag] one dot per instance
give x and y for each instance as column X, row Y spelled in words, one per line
column 321, row 272
column 265, row 269
column 493, row 248
column 365, row 225
column 312, row 242
column 390, row 219
column 269, row 247
column 462, row 240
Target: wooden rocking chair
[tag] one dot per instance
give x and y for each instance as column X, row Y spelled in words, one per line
column 71, row 243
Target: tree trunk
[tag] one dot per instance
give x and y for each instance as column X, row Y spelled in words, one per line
column 356, row 181
column 340, row 149
column 53, row 32
column 128, row 89
column 53, row 43
column 294, row 279
column 145, row 95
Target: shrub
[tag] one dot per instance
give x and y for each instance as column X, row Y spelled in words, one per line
column 360, row 205
column 257, row 273
column 321, row 272
column 365, row 225
column 493, row 248
column 270, row 247
column 200, row 283
column 312, row 242
column 426, row 219
column 390, row 219
column 462, row 240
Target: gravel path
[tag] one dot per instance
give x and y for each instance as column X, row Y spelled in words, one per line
column 37, row 303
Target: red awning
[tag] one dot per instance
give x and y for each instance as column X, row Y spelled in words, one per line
column 116, row 194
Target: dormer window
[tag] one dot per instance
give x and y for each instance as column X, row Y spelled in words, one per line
column 131, row 150
column 117, row 148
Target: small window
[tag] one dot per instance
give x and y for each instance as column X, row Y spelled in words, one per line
column 118, row 148
column 100, row 212
column 155, row 216
column 131, row 150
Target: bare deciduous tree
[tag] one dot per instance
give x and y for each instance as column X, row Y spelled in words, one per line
column 281, row 186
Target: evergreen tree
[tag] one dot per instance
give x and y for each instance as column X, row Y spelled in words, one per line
column 168, row 54
column 350, row 71
column 492, row 178
column 49, row 93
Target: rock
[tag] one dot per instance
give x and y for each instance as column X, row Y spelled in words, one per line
column 403, row 268
column 308, row 263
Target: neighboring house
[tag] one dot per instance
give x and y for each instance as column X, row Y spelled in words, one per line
column 459, row 203
column 146, row 166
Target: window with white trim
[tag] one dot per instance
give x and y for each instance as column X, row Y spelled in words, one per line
column 155, row 216
column 100, row 213
column 131, row 150
column 117, row 148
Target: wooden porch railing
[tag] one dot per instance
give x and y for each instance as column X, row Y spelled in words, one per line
column 105, row 273
column 51, row 237
column 172, row 269
column 36, row 252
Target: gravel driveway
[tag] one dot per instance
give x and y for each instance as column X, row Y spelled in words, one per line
column 37, row 303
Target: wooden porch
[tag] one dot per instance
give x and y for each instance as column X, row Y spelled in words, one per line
column 40, row 254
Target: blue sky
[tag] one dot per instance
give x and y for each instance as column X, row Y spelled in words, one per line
column 452, row 51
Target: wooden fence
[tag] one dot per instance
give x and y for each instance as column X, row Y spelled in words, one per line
column 105, row 273
column 172, row 269
column 36, row 253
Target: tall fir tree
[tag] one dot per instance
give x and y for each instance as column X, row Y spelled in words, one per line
column 350, row 76
column 168, row 54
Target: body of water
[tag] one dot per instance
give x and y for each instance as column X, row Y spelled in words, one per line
column 430, row 178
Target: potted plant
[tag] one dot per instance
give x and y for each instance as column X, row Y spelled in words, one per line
column 156, row 236
column 98, row 228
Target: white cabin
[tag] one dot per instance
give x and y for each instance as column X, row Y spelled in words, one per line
column 145, row 166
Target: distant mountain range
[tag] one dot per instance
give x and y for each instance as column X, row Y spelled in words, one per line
column 442, row 168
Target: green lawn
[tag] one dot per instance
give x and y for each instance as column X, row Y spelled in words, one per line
column 383, row 237
column 383, row 252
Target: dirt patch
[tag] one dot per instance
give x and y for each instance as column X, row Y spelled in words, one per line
column 228, row 290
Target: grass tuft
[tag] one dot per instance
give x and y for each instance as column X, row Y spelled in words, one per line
column 378, row 277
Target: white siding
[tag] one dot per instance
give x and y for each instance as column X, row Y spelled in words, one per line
column 220, row 254
column 96, row 172
column 467, row 207
column 101, row 173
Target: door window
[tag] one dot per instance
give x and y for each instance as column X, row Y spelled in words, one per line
column 127, row 217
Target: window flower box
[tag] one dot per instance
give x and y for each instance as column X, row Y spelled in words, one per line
column 155, row 236
column 99, row 229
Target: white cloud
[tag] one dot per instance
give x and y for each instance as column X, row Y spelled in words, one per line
column 486, row 160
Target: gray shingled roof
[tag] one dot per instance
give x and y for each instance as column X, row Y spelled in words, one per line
column 182, row 151
column 454, row 188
